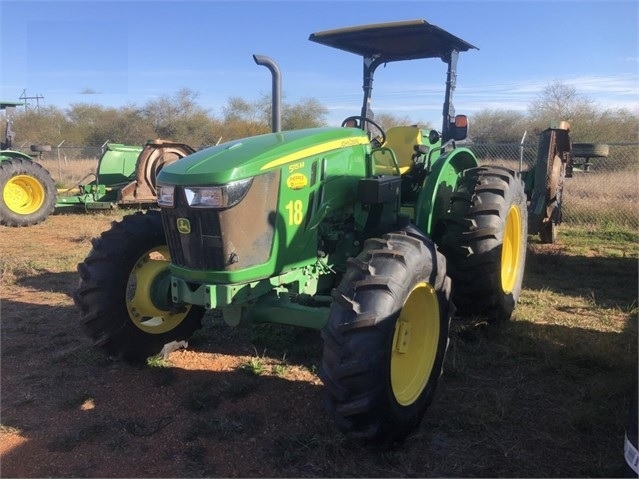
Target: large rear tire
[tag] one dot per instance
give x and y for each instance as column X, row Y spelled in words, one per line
column 386, row 337
column 124, row 292
column 484, row 240
column 28, row 193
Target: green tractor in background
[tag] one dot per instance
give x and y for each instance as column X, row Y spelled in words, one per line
column 28, row 192
column 125, row 177
column 376, row 238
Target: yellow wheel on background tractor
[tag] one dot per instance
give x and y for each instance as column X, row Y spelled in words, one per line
column 27, row 192
column 23, row 194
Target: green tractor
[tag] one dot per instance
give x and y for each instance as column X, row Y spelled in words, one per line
column 375, row 238
column 125, row 177
column 28, row 190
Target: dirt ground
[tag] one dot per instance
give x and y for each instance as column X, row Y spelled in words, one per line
column 242, row 402
column 68, row 410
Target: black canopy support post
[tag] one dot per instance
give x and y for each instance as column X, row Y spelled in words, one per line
column 451, row 83
column 370, row 65
column 367, row 87
column 276, row 95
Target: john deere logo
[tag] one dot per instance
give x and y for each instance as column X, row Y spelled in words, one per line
column 184, row 226
column 296, row 181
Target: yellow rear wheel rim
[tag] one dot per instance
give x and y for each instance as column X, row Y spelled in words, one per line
column 23, row 194
column 511, row 250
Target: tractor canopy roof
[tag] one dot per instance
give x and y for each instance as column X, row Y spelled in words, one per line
column 395, row 41
column 5, row 104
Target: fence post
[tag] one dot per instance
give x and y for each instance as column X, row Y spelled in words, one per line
column 65, row 162
column 521, row 151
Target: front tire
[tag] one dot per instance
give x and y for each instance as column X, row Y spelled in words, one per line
column 386, row 337
column 28, row 193
column 484, row 240
column 124, row 292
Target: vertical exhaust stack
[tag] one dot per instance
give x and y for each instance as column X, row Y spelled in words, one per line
column 276, row 96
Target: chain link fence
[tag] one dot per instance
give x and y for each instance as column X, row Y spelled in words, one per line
column 602, row 192
column 65, row 154
column 70, row 165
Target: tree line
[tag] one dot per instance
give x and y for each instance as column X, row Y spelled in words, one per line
column 177, row 118
column 180, row 118
column 589, row 123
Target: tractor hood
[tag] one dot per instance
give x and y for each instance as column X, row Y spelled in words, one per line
column 248, row 157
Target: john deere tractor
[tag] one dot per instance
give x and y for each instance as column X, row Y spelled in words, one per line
column 28, row 192
column 373, row 237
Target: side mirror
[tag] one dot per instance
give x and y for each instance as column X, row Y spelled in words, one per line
column 433, row 137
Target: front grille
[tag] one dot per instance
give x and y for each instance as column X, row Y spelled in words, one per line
column 225, row 239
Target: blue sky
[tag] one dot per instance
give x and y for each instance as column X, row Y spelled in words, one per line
column 129, row 52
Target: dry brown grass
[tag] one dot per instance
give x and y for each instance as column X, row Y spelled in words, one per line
column 598, row 197
column 601, row 197
column 68, row 174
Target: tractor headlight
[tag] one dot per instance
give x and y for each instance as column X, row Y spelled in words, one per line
column 217, row 196
column 166, row 195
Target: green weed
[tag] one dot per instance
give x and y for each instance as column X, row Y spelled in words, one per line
column 157, row 362
column 254, row 365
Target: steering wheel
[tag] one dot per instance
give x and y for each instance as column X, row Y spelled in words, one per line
column 381, row 139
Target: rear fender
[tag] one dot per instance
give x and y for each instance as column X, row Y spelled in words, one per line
column 12, row 155
column 439, row 185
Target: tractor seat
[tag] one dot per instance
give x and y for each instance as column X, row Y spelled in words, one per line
column 402, row 140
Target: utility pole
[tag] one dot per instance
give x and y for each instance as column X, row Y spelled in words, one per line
column 26, row 99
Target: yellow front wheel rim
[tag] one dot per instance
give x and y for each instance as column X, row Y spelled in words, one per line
column 415, row 344
column 511, row 250
column 143, row 309
column 23, row 194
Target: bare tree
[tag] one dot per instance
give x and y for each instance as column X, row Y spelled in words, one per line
column 497, row 126
column 306, row 114
column 168, row 114
column 559, row 101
